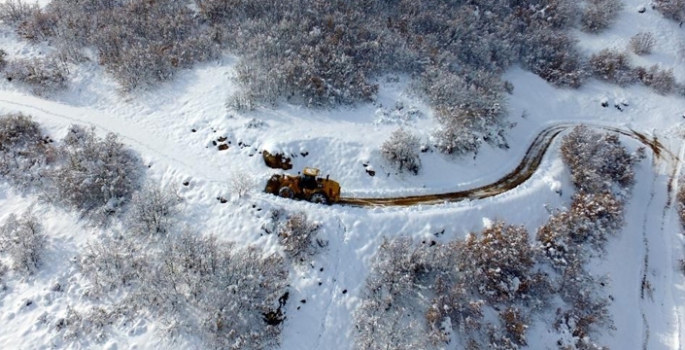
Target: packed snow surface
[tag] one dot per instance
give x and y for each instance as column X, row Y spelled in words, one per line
column 173, row 128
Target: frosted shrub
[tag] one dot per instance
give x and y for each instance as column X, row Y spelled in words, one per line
column 402, row 150
column 600, row 14
column 24, row 150
column 23, row 239
column 660, row 80
column 112, row 263
column 390, row 311
column 554, row 56
column 96, row 173
column 642, row 43
column 499, row 262
column 43, row 74
column 191, row 282
column 597, row 161
column 16, row 11
column 241, row 183
column 612, row 66
column 470, row 109
column 153, row 210
column 298, row 236
column 673, row 9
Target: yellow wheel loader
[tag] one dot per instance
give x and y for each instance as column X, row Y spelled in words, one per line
column 308, row 186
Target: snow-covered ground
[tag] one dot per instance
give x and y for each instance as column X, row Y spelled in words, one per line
column 173, row 126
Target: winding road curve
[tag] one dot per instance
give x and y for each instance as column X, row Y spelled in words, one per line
column 529, row 164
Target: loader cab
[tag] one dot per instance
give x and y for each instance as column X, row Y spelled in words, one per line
column 308, row 178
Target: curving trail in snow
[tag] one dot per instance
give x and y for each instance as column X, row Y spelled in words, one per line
column 525, row 169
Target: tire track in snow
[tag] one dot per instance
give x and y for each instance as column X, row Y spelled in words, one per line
column 526, row 168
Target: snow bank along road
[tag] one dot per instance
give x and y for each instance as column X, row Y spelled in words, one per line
column 525, row 169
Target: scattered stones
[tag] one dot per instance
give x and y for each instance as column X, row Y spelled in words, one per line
column 371, row 172
column 222, row 139
column 193, row 130
column 344, row 291
column 222, row 200
column 223, row 147
column 186, row 183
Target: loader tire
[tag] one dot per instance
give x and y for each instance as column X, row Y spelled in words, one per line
column 319, row 198
column 286, row 192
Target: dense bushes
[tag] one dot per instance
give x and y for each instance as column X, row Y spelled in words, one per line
column 673, row 9
column 24, row 241
column 24, row 151
column 96, row 173
column 465, row 279
column 600, row 14
column 86, row 172
column 327, row 53
column 484, row 291
column 225, row 295
column 597, row 161
column 612, row 66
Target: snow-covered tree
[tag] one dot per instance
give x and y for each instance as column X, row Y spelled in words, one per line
column 402, row 150
column 154, row 209
column 298, row 235
column 24, row 241
column 24, row 151
column 96, row 173
column 597, row 161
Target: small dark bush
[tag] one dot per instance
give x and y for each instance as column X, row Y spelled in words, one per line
column 402, row 150
column 24, row 241
column 642, row 43
column 96, row 173
column 612, row 66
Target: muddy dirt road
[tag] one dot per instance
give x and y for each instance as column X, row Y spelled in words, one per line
column 529, row 164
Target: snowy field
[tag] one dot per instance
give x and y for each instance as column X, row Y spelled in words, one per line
column 173, row 127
